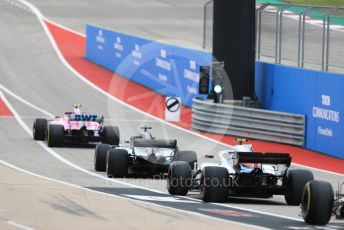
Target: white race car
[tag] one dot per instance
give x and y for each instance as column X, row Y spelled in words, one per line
column 240, row 172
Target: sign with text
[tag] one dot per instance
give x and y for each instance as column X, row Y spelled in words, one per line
column 317, row 95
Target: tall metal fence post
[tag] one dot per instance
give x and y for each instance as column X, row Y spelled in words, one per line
column 205, row 22
column 305, row 13
column 259, row 28
column 277, row 34
column 280, row 32
column 301, row 37
column 328, row 38
column 324, row 41
column 299, row 41
column 327, row 42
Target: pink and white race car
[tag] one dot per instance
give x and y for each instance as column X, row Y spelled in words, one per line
column 75, row 126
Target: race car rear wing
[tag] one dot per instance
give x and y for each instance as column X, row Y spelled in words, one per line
column 155, row 143
column 262, row 158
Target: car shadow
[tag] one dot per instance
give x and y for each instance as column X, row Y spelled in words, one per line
column 79, row 145
column 246, row 200
column 144, row 176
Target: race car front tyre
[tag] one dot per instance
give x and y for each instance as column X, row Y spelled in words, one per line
column 100, row 157
column 179, row 179
column 214, row 184
column 117, row 163
column 111, row 135
column 295, row 182
column 55, row 135
column 317, row 202
column 39, row 131
column 187, row 156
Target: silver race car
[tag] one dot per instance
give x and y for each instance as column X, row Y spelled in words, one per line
column 142, row 154
column 240, row 172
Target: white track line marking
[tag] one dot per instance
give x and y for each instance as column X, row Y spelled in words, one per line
column 20, row 226
column 3, row 88
column 121, row 197
column 79, row 168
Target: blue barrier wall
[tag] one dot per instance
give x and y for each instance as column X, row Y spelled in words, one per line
column 174, row 71
column 318, row 95
column 166, row 69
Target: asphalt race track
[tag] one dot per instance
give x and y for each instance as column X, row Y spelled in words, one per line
column 37, row 84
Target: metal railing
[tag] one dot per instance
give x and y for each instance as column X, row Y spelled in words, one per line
column 246, row 122
column 304, row 36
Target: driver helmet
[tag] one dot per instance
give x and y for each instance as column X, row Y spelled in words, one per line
column 77, row 110
column 243, row 148
column 246, row 148
column 146, row 135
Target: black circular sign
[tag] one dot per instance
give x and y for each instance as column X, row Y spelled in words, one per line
column 172, row 104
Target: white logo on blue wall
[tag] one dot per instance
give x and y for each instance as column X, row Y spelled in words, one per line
column 161, row 63
column 136, row 52
column 165, row 65
column 325, row 100
column 327, row 115
column 163, row 53
column 100, row 39
column 192, row 65
column 118, row 47
column 325, row 131
column 137, row 55
column 193, row 75
column 162, row 77
column 192, row 90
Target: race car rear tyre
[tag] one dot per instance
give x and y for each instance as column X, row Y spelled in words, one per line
column 179, row 179
column 39, row 131
column 111, row 135
column 215, row 184
column 317, row 202
column 187, row 156
column 117, row 163
column 55, row 135
column 295, row 181
column 100, row 157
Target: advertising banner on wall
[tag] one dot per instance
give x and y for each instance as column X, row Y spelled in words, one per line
column 327, row 111
column 167, row 69
column 318, row 95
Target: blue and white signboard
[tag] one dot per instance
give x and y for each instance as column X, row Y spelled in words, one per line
column 169, row 70
column 318, row 95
